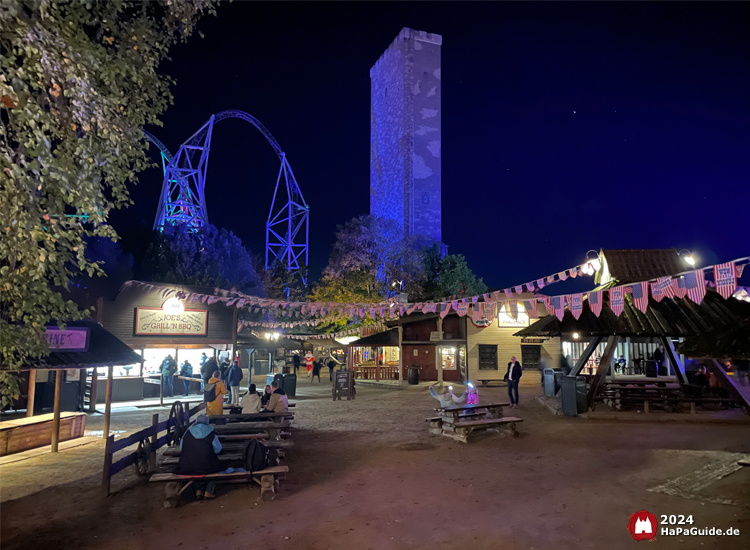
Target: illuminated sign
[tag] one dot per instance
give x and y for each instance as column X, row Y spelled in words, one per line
column 71, row 339
column 157, row 322
column 505, row 320
column 173, row 306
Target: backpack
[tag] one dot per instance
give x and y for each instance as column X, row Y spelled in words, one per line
column 209, row 392
column 259, row 457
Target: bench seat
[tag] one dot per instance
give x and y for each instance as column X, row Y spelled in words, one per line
column 462, row 430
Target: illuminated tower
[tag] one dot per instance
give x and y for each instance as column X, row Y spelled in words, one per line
column 405, row 135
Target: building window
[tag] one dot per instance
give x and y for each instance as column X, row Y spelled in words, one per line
column 530, row 357
column 487, row 357
column 447, row 358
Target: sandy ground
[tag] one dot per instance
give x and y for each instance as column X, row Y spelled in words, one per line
column 365, row 474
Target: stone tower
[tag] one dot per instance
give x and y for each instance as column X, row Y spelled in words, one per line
column 405, row 135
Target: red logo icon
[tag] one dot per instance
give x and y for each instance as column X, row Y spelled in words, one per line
column 642, row 526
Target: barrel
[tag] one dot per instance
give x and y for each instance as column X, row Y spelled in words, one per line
column 413, row 375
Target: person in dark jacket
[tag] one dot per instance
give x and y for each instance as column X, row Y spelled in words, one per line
column 168, row 370
column 515, row 371
column 296, row 362
column 224, row 368
column 234, row 377
column 208, row 369
column 331, row 365
column 186, row 370
column 199, row 450
column 317, row 365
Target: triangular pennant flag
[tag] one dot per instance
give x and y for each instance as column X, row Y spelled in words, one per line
column 617, row 299
column 490, row 311
column 550, row 279
column 477, row 311
column 548, row 305
column 576, row 304
column 454, row 305
column 463, row 309
column 508, row 292
column 725, row 278
column 512, row 309
column 678, row 287
column 519, row 289
column 695, row 284
column 530, row 287
column 540, row 283
column 595, row 302
column 656, row 291
column 558, row 306
column 530, row 307
column 563, row 275
column 445, row 307
column 740, row 268
column 640, row 296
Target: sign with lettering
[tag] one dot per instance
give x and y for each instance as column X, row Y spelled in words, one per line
column 71, row 339
column 343, row 385
column 156, row 322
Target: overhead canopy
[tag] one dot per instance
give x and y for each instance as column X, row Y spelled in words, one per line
column 631, row 266
column 730, row 343
column 104, row 349
column 673, row 317
column 381, row 339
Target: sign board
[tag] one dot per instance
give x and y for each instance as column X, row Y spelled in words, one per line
column 436, row 336
column 343, row 385
column 69, row 340
column 151, row 321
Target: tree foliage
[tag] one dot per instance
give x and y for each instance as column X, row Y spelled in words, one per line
column 282, row 284
column 370, row 261
column 448, row 276
column 78, row 82
column 209, row 257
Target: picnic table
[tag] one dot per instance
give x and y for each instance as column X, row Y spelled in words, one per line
column 224, row 418
column 461, row 421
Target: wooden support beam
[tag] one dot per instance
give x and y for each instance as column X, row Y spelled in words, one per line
column 154, row 438
column 55, row 439
column 31, row 393
column 108, row 401
column 726, row 381
column 601, row 372
column 94, row 387
column 588, row 352
column 679, row 369
column 400, row 353
column 107, row 465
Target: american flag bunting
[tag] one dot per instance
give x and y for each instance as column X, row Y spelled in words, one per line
column 595, row 302
column 678, row 287
column 617, row 299
column 656, row 291
column 695, row 283
column 725, row 277
column 640, row 295
column 530, row 307
column 575, row 302
column 512, row 309
column 558, row 305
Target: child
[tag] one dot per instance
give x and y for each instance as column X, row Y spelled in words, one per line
column 472, row 397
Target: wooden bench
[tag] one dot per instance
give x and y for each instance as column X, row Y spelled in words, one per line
column 260, row 435
column 461, row 431
column 229, row 448
column 270, row 416
column 235, row 456
column 492, row 410
column 268, row 480
column 273, row 429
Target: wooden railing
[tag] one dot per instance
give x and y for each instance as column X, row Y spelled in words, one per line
column 377, row 373
column 148, row 441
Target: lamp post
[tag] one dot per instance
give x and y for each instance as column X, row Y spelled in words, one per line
column 687, row 257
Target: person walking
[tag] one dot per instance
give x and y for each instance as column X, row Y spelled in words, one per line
column 186, row 371
column 332, row 362
column 296, row 362
column 167, row 370
column 234, row 377
column 515, row 371
column 659, row 359
column 317, row 365
column 224, row 368
column 309, row 358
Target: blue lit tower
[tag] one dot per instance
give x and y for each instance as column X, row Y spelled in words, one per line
column 405, row 135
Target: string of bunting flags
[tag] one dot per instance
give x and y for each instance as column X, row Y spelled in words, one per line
column 486, row 306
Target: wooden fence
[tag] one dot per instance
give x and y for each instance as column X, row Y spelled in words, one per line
column 385, row 372
column 144, row 457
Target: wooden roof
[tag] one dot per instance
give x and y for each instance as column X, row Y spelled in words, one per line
column 385, row 338
column 731, row 343
column 675, row 317
column 632, row 266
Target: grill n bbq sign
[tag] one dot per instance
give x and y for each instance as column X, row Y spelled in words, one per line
column 150, row 321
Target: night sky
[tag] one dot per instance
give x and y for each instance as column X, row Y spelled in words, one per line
column 565, row 127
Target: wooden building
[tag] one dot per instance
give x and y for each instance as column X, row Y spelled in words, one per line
column 155, row 326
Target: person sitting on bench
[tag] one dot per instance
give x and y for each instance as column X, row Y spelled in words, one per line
column 447, row 398
column 199, row 449
column 251, row 401
column 279, row 402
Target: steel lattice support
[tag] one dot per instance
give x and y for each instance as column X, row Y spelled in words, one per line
column 183, row 198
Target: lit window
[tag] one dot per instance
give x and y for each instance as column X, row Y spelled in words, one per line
column 505, row 320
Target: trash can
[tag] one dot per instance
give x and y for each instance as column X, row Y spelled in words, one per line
column 290, row 385
column 413, row 375
column 573, row 395
column 549, row 382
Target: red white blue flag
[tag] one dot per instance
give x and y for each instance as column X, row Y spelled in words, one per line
column 678, row 287
column 550, row 279
column 665, row 285
column 530, row 307
column 595, row 302
column 575, row 302
column 477, row 311
column 656, row 291
column 444, row 309
column 563, row 275
column 519, row 289
column 640, row 296
column 558, row 305
column 489, row 310
column 530, row 287
column 508, row 292
column 617, row 299
column 695, row 284
column 540, row 283
column 725, row 277
column 512, row 309
column 548, row 305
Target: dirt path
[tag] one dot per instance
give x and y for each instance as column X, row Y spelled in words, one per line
column 355, row 483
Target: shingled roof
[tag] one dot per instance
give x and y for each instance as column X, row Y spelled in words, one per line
column 632, row 266
column 676, row 317
column 731, row 343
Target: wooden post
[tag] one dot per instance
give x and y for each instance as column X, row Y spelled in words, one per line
column 161, row 389
column 56, row 419
column 235, row 320
column 438, row 363
column 31, row 393
column 154, row 438
column 400, row 353
column 107, row 464
column 94, row 387
column 679, row 370
column 601, row 372
column 108, row 401
column 588, row 352
column 377, row 364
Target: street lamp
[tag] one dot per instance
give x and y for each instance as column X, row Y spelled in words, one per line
column 591, row 265
column 687, row 257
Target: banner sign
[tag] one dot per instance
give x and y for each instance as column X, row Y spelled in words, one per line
column 155, row 322
column 725, row 277
column 69, row 340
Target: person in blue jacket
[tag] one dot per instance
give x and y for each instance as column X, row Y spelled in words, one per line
column 234, row 377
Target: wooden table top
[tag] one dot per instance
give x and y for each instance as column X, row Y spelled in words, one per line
column 471, row 407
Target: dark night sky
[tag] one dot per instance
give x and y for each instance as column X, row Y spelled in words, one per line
column 565, row 127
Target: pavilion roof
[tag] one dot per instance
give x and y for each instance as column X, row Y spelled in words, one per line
column 631, row 266
column 730, row 343
column 675, row 317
